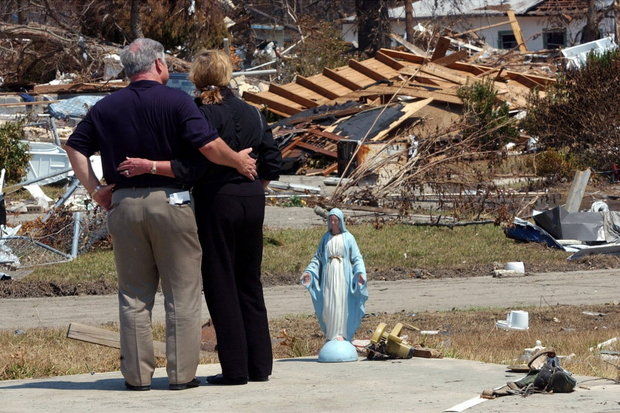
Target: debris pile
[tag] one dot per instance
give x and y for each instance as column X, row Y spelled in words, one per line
column 352, row 118
column 566, row 227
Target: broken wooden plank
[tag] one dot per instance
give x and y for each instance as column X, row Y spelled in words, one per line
column 268, row 99
column 516, row 29
column 373, row 74
column 330, row 169
column 107, row 338
column 409, row 46
column 313, row 148
column 451, row 58
column 307, row 83
column 442, row 46
column 408, row 110
column 427, row 353
column 344, row 81
column 490, row 26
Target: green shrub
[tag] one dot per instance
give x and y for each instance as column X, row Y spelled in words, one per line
column 486, row 116
column 580, row 115
column 554, row 163
column 14, row 155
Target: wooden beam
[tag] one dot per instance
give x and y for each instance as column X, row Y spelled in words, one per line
column 331, row 168
column 516, row 29
column 102, row 337
column 337, row 77
column 328, row 135
column 294, row 97
column 410, row 91
column 441, row 47
column 307, row 83
column 355, row 65
column 387, row 60
column 441, row 72
column 451, row 58
column 409, row 57
column 78, row 87
column 409, row 46
column 310, row 147
column 409, row 110
column 38, row 102
column 490, row 26
column 270, row 103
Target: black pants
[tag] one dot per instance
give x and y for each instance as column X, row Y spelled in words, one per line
column 230, row 228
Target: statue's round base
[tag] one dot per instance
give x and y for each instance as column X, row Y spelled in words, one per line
column 336, row 351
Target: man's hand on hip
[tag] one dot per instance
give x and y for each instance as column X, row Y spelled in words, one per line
column 246, row 164
column 103, row 196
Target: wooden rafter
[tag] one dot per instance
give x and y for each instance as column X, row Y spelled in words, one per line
column 344, row 81
column 307, row 83
column 367, row 71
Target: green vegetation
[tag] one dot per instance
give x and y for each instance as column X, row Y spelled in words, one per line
column 288, row 251
column 485, row 116
column 13, row 153
column 579, row 115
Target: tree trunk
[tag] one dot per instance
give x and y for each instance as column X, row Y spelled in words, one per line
column 590, row 31
column 22, row 13
column 617, row 19
column 409, row 20
column 136, row 20
column 373, row 25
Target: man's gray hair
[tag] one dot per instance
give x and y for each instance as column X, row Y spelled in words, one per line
column 139, row 55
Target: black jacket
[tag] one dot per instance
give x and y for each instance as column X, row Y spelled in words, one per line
column 241, row 126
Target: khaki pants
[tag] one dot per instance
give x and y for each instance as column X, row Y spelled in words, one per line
column 155, row 241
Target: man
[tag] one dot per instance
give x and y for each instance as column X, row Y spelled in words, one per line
column 152, row 226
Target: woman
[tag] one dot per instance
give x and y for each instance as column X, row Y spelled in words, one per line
column 229, row 212
column 336, row 280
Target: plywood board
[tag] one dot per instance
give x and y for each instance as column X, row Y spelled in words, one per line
column 408, row 110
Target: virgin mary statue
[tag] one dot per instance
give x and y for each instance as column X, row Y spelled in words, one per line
column 336, row 280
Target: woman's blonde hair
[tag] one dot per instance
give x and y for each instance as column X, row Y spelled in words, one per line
column 211, row 70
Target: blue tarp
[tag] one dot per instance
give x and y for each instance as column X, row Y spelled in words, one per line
column 76, row 107
column 528, row 232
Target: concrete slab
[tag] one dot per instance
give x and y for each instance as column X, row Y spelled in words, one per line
column 303, row 385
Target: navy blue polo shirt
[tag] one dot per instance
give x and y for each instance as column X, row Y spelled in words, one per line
column 144, row 120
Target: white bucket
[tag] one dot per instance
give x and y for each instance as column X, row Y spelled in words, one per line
column 518, row 319
column 515, row 320
column 517, row 266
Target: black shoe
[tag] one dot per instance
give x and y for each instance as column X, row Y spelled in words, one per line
column 220, row 380
column 183, row 386
column 137, row 388
column 259, row 378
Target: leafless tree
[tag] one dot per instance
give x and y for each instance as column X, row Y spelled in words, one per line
column 136, row 20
